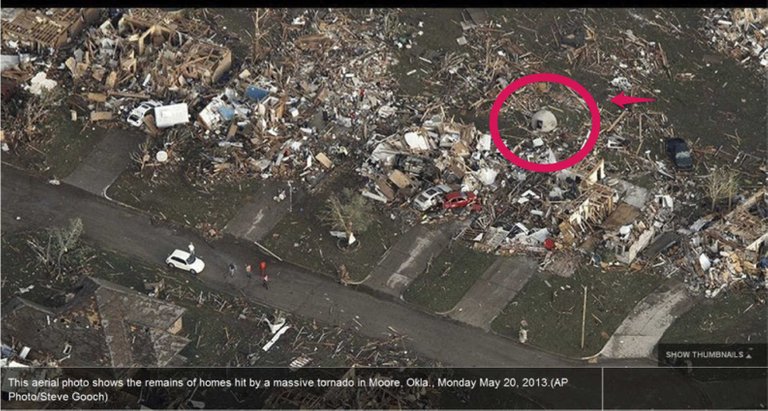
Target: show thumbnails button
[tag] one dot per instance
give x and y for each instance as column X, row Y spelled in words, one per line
column 713, row 355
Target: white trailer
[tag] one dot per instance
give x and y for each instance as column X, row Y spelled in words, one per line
column 171, row 115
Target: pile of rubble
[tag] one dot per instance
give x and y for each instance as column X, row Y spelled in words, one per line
column 740, row 33
column 324, row 99
column 324, row 88
column 732, row 250
column 438, row 153
column 441, row 167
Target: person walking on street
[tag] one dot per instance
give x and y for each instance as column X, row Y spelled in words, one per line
column 264, row 275
column 191, row 249
column 232, row 269
column 248, row 271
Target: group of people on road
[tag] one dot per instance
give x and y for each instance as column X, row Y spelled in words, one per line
column 248, row 269
column 249, row 272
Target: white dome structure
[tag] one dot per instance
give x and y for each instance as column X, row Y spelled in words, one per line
column 543, row 120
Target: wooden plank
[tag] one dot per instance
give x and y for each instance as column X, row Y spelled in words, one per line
column 128, row 94
column 97, row 97
column 71, row 64
column 232, row 130
column 101, row 115
column 111, row 80
column 324, row 160
column 399, row 178
column 385, row 189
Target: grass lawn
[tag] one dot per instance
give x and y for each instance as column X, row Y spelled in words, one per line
column 64, row 149
column 552, row 307
column 179, row 201
column 450, row 276
column 301, row 238
column 737, row 318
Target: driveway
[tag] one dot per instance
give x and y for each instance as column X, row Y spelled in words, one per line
column 257, row 218
column 497, row 286
column 639, row 333
column 409, row 256
column 108, row 159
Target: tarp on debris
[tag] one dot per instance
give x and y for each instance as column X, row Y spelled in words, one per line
column 256, row 94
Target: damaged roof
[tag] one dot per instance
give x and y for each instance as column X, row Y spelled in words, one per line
column 105, row 324
column 51, row 28
column 746, row 222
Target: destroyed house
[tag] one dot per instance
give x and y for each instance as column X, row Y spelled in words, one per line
column 180, row 38
column 205, row 61
column 48, row 29
column 161, row 25
column 636, row 221
column 745, row 229
column 103, row 325
column 630, row 230
column 594, row 204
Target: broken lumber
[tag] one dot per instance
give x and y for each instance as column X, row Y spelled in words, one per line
column 128, row 94
column 111, row 80
column 399, row 178
column 101, row 115
column 97, row 97
column 324, row 160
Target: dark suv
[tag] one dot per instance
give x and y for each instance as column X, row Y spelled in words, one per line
column 680, row 154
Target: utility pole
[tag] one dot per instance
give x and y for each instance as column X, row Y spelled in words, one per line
column 583, row 317
column 290, row 197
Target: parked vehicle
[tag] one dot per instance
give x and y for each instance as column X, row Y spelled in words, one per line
column 418, row 166
column 185, row 261
column 136, row 117
column 430, row 197
column 680, row 154
column 459, row 199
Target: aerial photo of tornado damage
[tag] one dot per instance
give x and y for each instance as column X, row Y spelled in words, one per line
column 362, row 190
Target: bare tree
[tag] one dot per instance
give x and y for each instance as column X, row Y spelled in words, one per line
column 22, row 123
column 347, row 213
column 58, row 243
column 142, row 157
column 721, row 184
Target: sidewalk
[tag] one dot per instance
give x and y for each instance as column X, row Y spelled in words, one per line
column 408, row 257
column 498, row 285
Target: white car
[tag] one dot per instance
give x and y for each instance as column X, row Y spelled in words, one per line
column 137, row 115
column 185, row 261
column 429, row 197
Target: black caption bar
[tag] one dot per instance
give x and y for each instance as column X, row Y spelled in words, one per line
column 359, row 388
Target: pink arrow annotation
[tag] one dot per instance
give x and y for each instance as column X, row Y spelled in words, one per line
column 622, row 100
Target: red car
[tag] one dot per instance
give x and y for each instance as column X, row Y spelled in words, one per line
column 458, row 199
